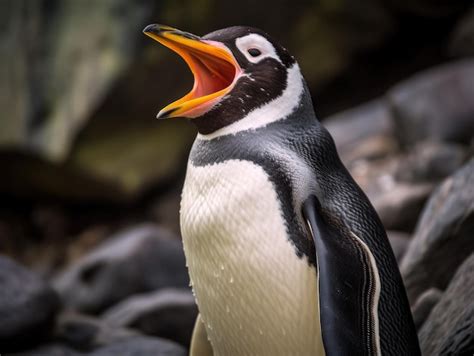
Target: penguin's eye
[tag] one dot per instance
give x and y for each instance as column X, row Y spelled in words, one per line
column 254, row 52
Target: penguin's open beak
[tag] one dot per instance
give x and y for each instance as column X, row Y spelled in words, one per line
column 214, row 68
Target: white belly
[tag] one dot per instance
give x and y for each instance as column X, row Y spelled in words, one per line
column 254, row 295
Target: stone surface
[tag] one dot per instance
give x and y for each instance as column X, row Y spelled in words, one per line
column 430, row 162
column 139, row 259
column 86, row 333
column 443, row 237
column 27, row 306
column 398, row 203
column 449, row 330
column 399, row 185
column 141, row 346
column 53, row 349
column 168, row 313
column 436, row 104
column 424, row 304
column 364, row 132
column 399, row 242
column 133, row 346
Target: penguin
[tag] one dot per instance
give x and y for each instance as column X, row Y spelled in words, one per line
column 285, row 253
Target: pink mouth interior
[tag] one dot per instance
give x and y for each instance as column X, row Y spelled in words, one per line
column 211, row 74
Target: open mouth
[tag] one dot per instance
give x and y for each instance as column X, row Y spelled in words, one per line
column 214, row 68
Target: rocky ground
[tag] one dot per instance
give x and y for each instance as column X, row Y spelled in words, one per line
column 91, row 260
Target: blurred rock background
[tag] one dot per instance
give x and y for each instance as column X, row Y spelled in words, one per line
column 90, row 257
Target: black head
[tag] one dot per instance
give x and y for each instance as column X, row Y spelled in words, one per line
column 236, row 71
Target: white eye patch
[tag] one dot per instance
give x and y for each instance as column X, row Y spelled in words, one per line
column 252, row 44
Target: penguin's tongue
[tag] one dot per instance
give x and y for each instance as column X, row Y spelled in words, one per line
column 214, row 68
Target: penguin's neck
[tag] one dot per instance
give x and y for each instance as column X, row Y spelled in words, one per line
column 294, row 97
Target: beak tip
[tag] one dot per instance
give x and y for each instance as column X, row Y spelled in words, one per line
column 153, row 28
column 159, row 116
column 165, row 114
column 157, row 29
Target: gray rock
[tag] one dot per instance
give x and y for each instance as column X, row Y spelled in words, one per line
column 449, row 330
column 53, row 349
column 398, row 203
column 364, row 132
column 27, row 307
column 424, row 304
column 443, row 238
column 430, row 162
column 168, row 313
column 399, row 242
column 141, row 346
column 86, row 333
column 398, row 186
column 137, row 260
column 436, row 104
column 133, row 346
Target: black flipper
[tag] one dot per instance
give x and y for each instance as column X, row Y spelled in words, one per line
column 349, row 286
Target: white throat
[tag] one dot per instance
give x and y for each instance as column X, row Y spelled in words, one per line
column 275, row 110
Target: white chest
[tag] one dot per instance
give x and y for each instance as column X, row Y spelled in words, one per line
column 254, row 295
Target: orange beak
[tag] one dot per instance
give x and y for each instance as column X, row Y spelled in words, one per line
column 214, row 68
